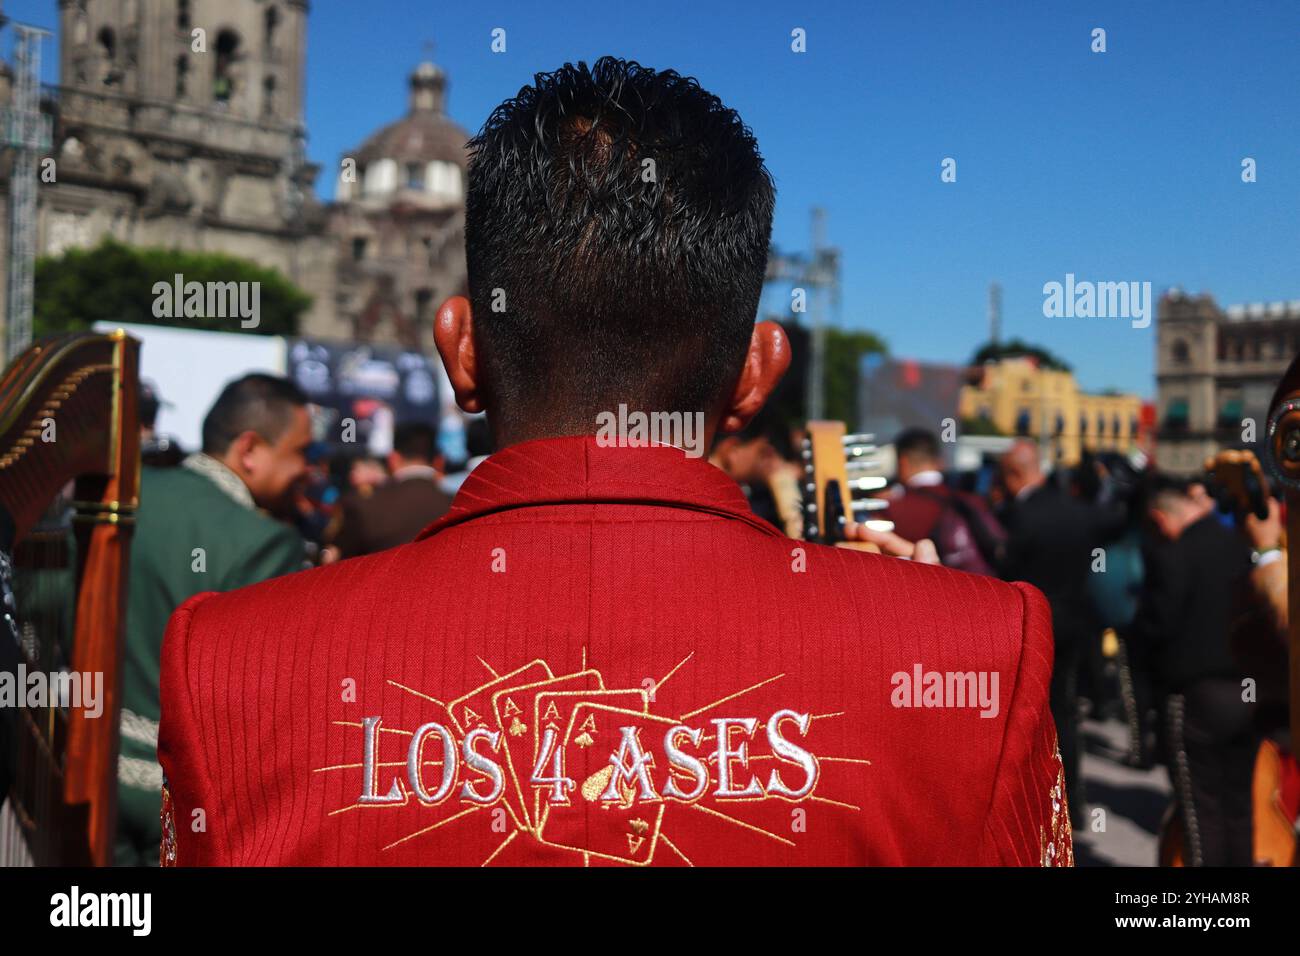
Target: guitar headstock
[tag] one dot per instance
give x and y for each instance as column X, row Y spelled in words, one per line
column 840, row 470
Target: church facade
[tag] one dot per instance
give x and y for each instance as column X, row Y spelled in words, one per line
column 179, row 124
column 399, row 221
column 1216, row 369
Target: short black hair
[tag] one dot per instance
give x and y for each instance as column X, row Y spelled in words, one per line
column 257, row 402
column 617, row 227
column 416, row 441
column 917, row 443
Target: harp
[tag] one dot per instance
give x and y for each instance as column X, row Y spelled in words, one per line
column 69, row 470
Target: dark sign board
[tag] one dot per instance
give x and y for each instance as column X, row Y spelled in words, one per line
column 363, row 391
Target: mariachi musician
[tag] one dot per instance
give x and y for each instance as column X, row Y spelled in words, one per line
column 600, row 655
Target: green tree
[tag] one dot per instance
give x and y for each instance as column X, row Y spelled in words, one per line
column 992, row 352
column 979, row 426
column 844, row 352
column 114, row 282
column 788, row 406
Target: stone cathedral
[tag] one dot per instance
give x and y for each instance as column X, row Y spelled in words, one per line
column 179, row 123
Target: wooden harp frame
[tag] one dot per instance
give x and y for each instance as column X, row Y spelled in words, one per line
column 81, row 389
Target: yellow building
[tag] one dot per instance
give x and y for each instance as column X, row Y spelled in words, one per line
column 1018, row 397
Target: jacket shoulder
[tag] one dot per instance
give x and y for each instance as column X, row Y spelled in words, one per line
column 179, row 491
column 927, row 589
column 310, row 587
column 933, row 630
column 188, row 781
column 1028, row 820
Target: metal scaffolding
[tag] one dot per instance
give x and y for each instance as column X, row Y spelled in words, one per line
column 27, row 132
column 995, row 312
column 818, row 274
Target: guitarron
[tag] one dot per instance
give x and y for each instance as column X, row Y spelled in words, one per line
column 840, row 473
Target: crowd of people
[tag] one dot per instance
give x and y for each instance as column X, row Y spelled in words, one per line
column 260, row 499
column 1164, row 605
column 629, row 564
column 1168, row 606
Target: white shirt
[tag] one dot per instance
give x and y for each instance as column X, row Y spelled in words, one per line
column 415, row 471
column 925, row 479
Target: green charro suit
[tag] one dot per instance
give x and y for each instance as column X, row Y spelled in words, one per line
column 197, row 530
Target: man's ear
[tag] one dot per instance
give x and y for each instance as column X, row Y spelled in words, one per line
column 453, row 334
column 766, row 360
column 237, row 457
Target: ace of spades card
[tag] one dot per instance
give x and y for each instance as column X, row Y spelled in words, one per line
column 552, row 710
column 475, row 708
column 625, row 830
column 513, row 708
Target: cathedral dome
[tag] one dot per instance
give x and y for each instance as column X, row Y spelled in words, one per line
column 422, row 153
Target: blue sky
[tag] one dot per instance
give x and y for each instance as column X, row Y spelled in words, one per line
column 1115, row 166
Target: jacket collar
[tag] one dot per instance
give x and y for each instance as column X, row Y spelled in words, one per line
column 576, row 469
column 220, row 475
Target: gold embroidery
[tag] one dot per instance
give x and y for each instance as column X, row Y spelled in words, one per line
column 1057, row 848
column 555, row 829
column 493, row 855
column 167, row 848
column 595, row 785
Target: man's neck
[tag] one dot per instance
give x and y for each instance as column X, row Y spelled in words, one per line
column 415, row 469
column 515, row 432
column 222, row 475
column 926, row 478
column 1198, row 517
column 1030, row 488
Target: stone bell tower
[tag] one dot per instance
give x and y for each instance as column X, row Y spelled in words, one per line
column 179, row 123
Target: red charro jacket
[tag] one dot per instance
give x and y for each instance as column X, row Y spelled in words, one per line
column 601, row 656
